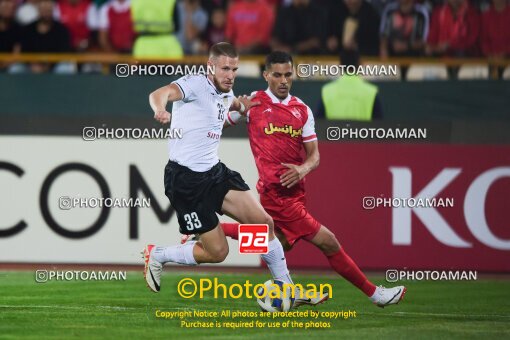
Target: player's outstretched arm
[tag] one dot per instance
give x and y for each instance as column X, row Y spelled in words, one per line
column 297, row 172
column 160, row 98
column 243, row 104
column 239, row 109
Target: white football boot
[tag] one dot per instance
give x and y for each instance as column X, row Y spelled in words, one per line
column 388, row 296
column 153, row 269
column 301, row 298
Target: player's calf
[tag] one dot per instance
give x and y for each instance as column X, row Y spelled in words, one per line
column 326, row 241
column 212, row 247
column 243, row 207
column 283, row 240
column 216, row 255
column 341, row 262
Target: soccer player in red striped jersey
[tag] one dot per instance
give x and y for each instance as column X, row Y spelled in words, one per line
column 283, row 141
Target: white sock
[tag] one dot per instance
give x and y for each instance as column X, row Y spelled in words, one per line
column 275, row 260
column 182, row 254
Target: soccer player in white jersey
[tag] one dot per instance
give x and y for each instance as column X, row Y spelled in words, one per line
column 197, row 184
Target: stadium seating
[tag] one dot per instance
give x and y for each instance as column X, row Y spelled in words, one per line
column 427, row 72
column 473, row 72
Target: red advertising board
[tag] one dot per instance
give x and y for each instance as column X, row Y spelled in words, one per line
column 472, row 232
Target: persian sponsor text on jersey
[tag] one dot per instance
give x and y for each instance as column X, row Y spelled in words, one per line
column 287, row 129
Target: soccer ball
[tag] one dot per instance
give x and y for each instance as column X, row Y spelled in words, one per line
column 283, row 303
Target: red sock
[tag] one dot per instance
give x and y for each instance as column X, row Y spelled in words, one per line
column 345, row 266
column 231, row 230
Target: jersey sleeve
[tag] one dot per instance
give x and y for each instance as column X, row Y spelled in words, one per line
column 191, row 86
column 234, row 118
column 309, row 134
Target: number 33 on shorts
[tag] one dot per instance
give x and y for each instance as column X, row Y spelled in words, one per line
column 192, row 221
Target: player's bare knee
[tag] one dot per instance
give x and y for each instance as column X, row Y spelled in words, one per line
column 218, row 254
column 222, row 254
column 283, row 241
column 269, row 221
column 271, row 226
column 329, row 244
column 217, row 258
column 332, row 246
column 286, row 246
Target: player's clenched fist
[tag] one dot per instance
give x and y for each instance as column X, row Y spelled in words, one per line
column 162, row 116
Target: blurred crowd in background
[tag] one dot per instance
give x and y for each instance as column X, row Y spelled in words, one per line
column 346, row 28
column 385, row 28
column 457, row 28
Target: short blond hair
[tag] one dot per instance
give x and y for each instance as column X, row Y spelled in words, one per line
column 223, row 48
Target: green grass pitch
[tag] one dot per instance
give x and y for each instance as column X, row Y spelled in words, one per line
column 126, row 309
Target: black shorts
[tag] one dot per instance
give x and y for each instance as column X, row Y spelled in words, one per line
column 198, row 196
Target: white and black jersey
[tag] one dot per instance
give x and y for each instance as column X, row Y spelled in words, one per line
column 200, row 116
column 196, row 182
